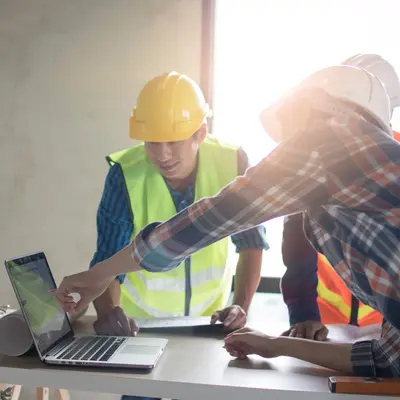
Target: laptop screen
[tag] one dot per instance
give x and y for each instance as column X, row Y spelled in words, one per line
column 32, row 280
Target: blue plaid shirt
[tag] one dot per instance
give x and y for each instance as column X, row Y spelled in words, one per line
column 115, row 221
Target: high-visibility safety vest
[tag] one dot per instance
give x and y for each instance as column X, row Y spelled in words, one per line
column 336, row 303
column 200, row 285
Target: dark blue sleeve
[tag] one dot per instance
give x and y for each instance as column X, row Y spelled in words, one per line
column 254, row 238
column 299, row 283
column 114, row 218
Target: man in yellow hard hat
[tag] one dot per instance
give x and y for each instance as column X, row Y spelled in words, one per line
column 177, row 164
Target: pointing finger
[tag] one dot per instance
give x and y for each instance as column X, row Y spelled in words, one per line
column 134, row 327
column 123, row 321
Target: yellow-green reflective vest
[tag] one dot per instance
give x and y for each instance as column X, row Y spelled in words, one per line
column 201, row 285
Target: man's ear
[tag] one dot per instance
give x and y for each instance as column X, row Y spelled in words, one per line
column 201, row 134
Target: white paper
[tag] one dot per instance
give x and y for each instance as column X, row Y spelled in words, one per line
column 172, row 322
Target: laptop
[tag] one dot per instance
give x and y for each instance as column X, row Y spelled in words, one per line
column 51, row 330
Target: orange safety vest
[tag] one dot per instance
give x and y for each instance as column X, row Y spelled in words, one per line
column 336, row 303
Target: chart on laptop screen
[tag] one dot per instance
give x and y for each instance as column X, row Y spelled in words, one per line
column 32, row 281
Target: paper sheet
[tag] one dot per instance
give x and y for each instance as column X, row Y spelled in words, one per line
column 172, row 322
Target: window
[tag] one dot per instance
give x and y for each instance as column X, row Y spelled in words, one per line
column 263, row 47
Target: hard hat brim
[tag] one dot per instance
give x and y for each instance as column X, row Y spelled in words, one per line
column 142, row 132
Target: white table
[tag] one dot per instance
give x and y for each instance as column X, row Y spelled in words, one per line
column 196, row 368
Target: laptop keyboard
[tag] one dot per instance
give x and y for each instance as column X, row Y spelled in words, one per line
column 91, row 348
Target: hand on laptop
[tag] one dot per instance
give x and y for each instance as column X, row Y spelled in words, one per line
column 233, row 317
column 89, row 285
column 115, row 323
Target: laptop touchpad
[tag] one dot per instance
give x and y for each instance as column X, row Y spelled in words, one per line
column 139, row 349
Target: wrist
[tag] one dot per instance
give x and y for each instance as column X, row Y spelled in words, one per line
column 103, row 309
column 272, row 347
column 243, row 304
column 303, row 311
column 284, row 346
column 110, row 299
column 105, row 304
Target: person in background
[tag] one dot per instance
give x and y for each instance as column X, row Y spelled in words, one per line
column 177, row 163
column 313, row 292
column 338, row 164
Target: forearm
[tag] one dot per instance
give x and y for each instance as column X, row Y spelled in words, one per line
column 109, row 299
column 299, row 290
column 299, row 282
column 336, row 356
column 120, row 263
column 247, row 277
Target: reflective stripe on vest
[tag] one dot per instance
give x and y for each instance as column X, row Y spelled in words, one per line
column 154, row 312
column 335, row 299
column 179, row 285
column 146, row 294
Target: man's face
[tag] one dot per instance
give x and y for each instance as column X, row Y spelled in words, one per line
column 174, row 160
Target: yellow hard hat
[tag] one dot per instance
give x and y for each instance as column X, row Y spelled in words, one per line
column 169, row 108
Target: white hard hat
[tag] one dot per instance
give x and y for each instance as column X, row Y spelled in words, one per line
column 350, row 84
column 383, row 70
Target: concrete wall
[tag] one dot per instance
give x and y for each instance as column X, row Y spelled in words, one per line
column 70, row 72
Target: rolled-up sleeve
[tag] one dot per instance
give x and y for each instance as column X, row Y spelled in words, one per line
column 380, row 357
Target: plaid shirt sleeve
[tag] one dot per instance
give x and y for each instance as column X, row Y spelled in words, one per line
column 378, row 357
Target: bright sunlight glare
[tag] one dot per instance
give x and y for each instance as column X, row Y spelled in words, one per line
column 263, row 47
